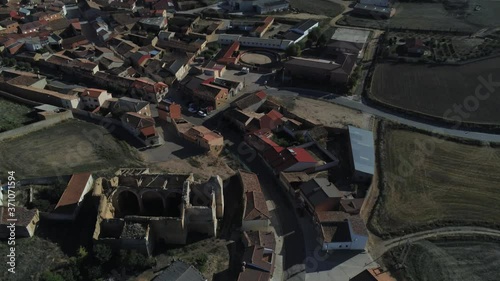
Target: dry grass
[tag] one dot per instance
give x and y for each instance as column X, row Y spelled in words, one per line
column 203, row 166
column 448, row 261
column 68, row 147
column 451, row 183
column 326, row 113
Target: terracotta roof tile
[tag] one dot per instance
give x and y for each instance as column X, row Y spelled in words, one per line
column 74, row 190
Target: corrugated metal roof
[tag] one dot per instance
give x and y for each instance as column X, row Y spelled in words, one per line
column 363, row 150
column 180, row 271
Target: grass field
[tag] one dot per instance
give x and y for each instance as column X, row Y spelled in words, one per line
column 33, row 256
column 317, row 7
column 68, row 147
column 448, row 261
column 442, row 183
column 435, row 90
column 13, row 115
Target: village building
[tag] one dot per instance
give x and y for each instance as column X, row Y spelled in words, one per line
column 167, row 206
column 256, row 216
column 141, row 126
column 70, row 202
column 334, row 72
column 362, row 152
column 25, row 224
column 93, row 98
column 180, row 271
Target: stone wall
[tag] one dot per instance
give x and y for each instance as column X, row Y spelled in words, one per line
column 56, row 118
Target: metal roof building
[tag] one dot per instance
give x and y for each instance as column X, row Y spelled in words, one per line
column 362, row 149
column 180, row 271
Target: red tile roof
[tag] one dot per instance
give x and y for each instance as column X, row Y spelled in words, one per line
column 261, row 94
column 74, row 190
column 249, row 181
column 274, row 115
column 95, row 93
column 302, row 155
column 272, row 144
column 148, row 131
column 256, row 207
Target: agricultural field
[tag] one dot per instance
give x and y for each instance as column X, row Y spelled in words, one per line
column 317, row 7
column 65, row 148
column 428, row 182
column 439, row 47
column 435, row 16
column 437, row 91
column 13, row 115
column 447, row 261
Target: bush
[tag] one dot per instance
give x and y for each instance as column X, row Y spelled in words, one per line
column 293, row 50
column 102, row 253
column 49, row 276
column 134, row 260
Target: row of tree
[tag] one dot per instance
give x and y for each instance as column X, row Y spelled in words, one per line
column 314, row 39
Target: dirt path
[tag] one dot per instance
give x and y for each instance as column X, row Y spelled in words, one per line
column 379, row 247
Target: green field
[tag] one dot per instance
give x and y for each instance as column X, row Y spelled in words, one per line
column 447, row 261
column 317, row 7
column 13, row 115
column 71, row 146
column 427, row 182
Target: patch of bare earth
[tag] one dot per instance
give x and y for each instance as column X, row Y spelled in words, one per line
column 328, row 114
column 202, row 166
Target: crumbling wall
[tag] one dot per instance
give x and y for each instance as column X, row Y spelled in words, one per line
column 201, row 220
column 170, row 230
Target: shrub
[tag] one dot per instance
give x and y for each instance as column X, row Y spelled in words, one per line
column 102, row 253
column 49, row 276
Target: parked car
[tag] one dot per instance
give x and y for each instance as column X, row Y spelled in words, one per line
column 192, row 109
column 245, row 70
column 167, row 100
column 202, row 114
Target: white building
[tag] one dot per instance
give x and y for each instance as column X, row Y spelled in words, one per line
column 93, row 98
column 254, row 41
column 350, row 234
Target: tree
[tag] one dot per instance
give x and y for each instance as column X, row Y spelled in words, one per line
column 322, row 40
column 314, row 34
column 49, row 276
column 293, row 50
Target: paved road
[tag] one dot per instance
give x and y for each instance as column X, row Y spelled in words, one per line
column 286, row 223
column 347, row 102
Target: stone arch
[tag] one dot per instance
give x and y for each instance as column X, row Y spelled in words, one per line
column 127, row 203
column 154, row 204
column 173, row 204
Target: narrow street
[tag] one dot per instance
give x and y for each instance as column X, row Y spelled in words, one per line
column 285, row 222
